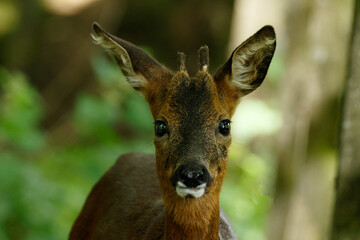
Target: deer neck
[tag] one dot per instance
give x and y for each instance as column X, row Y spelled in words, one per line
column 192, row 218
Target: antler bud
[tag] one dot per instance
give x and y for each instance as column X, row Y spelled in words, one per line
column 181, row 61
column 204, row 58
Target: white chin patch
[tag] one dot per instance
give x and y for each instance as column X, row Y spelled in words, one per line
column 184, row 191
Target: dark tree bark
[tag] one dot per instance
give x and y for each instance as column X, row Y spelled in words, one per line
column 346, row 222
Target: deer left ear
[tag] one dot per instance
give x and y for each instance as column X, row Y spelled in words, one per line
column 140, row 69
column 249, row 63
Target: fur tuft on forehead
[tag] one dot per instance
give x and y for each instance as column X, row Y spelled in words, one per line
column 198, row 90
column 201, row 80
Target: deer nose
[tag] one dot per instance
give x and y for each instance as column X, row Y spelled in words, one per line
column 192, row 175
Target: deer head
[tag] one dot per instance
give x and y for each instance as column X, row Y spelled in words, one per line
column 192, row 114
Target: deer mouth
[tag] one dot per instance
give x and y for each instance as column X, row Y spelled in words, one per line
column 190, row 192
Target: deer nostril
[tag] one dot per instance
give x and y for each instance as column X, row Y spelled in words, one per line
column 193, row 174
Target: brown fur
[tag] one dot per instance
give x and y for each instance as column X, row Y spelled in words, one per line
column 135, row 201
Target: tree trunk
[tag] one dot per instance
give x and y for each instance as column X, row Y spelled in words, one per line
column 315, row 65
column 346, row 222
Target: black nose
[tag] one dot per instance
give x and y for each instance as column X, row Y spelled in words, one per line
column 191, row 175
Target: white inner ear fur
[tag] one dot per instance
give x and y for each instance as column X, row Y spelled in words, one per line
column 242, row 75
column 135, row 80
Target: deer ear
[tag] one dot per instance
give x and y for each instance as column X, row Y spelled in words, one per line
column 249, row 63
column 139, row 68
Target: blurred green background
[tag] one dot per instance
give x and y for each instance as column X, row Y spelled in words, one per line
column 67, row 113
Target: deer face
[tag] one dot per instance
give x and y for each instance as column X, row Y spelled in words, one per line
column 192, row 134
column 192, row 115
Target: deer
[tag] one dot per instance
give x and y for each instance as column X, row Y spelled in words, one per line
column 174, row 193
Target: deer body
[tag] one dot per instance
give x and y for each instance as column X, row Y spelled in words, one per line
column 174, row 194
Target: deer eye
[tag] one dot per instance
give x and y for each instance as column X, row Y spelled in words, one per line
column 160, row 128
column 224, row 127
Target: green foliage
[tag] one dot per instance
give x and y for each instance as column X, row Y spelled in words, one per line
column 28, row 198
column 20, row 111
column 242, row 195
column 43, row 185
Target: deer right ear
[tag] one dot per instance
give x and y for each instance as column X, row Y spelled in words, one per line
column 249, row 63
column 139, row 68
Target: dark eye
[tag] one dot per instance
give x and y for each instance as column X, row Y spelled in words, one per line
column 160, row 128
column 224, row 127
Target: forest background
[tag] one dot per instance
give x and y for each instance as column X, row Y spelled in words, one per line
column 67, row 113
